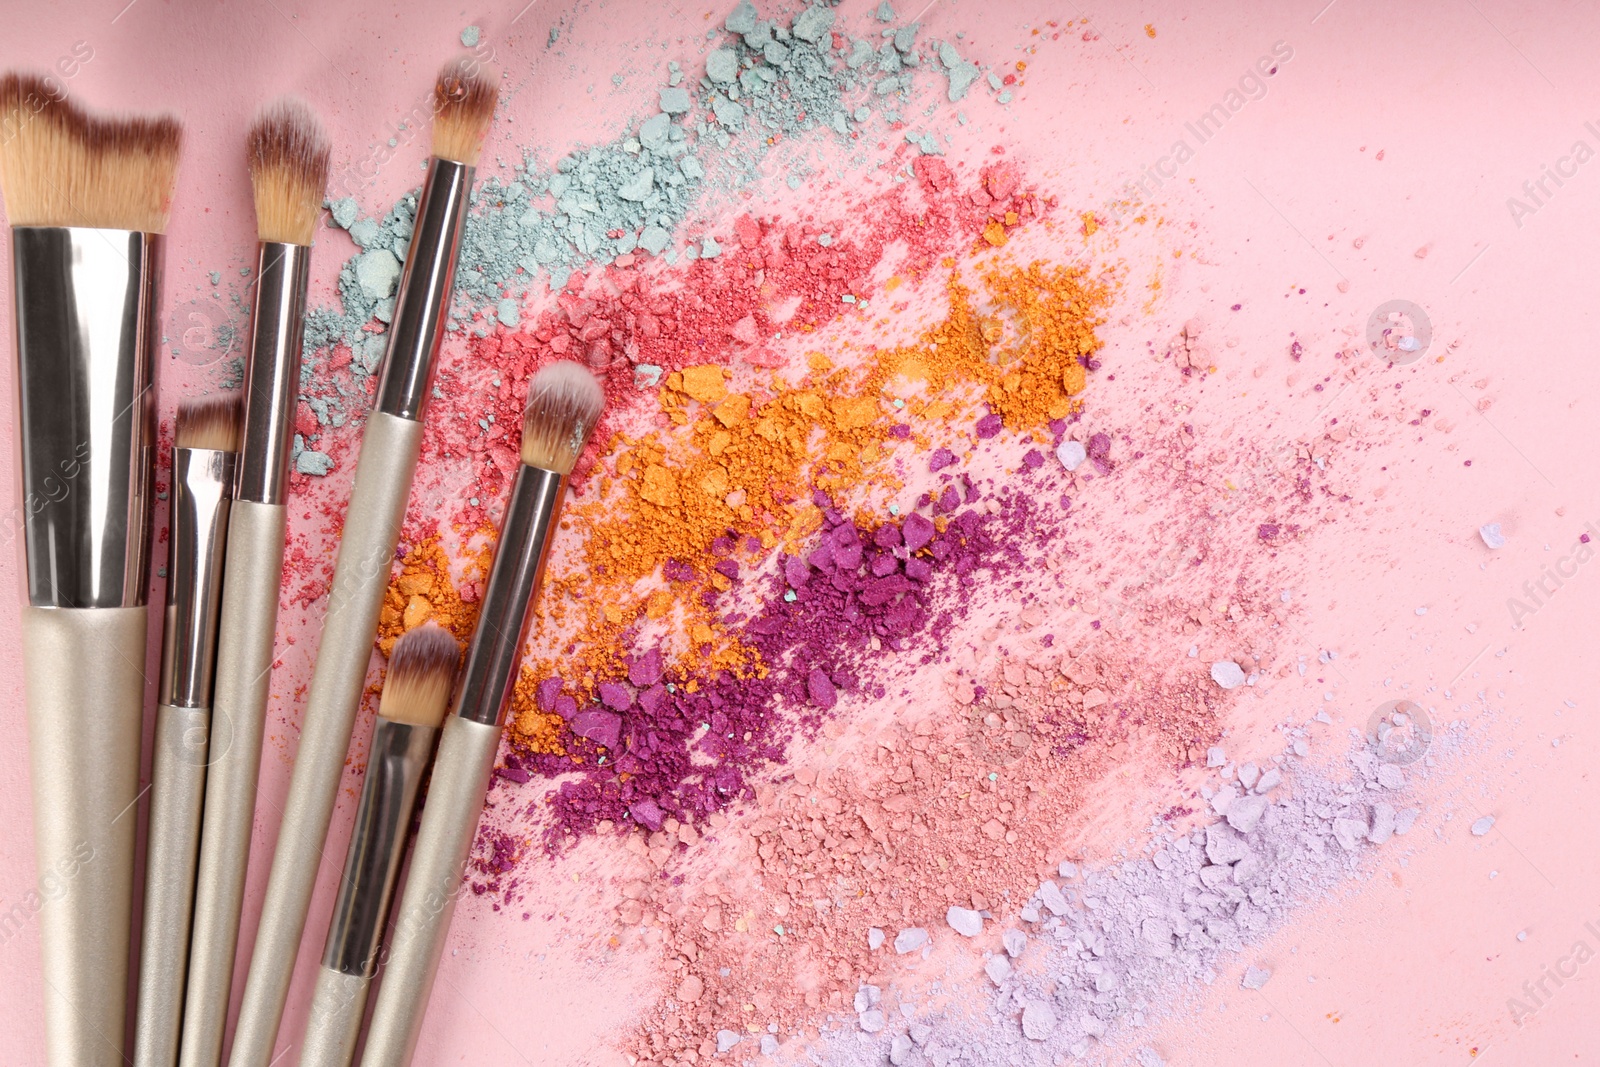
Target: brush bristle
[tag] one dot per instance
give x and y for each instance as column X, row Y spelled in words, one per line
column 564, row 403
column 211, row 422
column 61, row 166
column 422, row 669
column 288, row 171
column 464, row 98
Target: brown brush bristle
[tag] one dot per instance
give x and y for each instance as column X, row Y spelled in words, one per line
column 564, row 403
column 61, row 166
column 422, row 668
column 463, row 106
column 212, row 422
column 288, row 171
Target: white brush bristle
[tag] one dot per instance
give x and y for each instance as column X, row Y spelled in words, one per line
column 564, row 403
column 61, row 166
column 422, row 669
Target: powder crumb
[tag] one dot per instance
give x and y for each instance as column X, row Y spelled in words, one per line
column 964, row 921
column 1255, row 977
column 909, row 940
column 1038, row 1021
column 1227, row 674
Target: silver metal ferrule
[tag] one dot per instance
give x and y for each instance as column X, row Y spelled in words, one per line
column 272, row 371
column 423, row 299
column 519, row 558
column 202, row 488
column 395, row 762
column 86, row 303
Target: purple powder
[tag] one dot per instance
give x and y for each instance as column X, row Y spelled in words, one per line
column 688, row 754
column 918, row 531
column 1099, row 446
column 941, row 458
column 646, row 669
column 819, row 687
column 545, row 696
column 565, row 706
column 795, row 571
column 1267, row 531
column 647, row 813
column 615, row 697
column 948, row 500
column 677, row 571
column 652, row 699
column 728, row 568
column 602, row 727
column 989, row 426
column 847, row 557
column 1033, row 460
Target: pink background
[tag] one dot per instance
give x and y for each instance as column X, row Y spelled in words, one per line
column 1466, row 102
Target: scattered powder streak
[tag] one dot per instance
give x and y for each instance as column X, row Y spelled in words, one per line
column 872, row 576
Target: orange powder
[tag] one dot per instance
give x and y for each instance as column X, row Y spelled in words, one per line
column 741, row 453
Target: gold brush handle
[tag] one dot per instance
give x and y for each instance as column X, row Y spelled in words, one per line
column 388, row 461
column 177, row 795
column 335, row 1022
column 83, row 670
column 249, row 617
column 459, row 783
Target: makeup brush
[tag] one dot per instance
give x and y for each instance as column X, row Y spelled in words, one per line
column 288, row 159
column 205, row 447
column 564, row 402
column 415, row 695
column 87, row 198
column 464, row 101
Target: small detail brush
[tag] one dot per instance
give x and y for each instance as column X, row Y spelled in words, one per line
column 205, row 447
column 288, row 159
column 464, row 100
column 415, row 696
column 564, row 402
column 87, row 198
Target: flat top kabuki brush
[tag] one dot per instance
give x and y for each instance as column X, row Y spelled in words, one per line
column 564, row 403
column 204, row 449
column 288, row 158
column 87, row 199
column 464, row 101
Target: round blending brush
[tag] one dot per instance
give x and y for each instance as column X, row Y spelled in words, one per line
column 87, row 198
column 288, row 158
column 415, row 695
column 205, row 447
column 464, row 101
column 564, row 402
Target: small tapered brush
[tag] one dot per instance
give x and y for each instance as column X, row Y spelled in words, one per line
column 204, row 452
column 564, row 403
column 287, row 153
column 88, row 199
column 465, row 95
column 416, row 693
